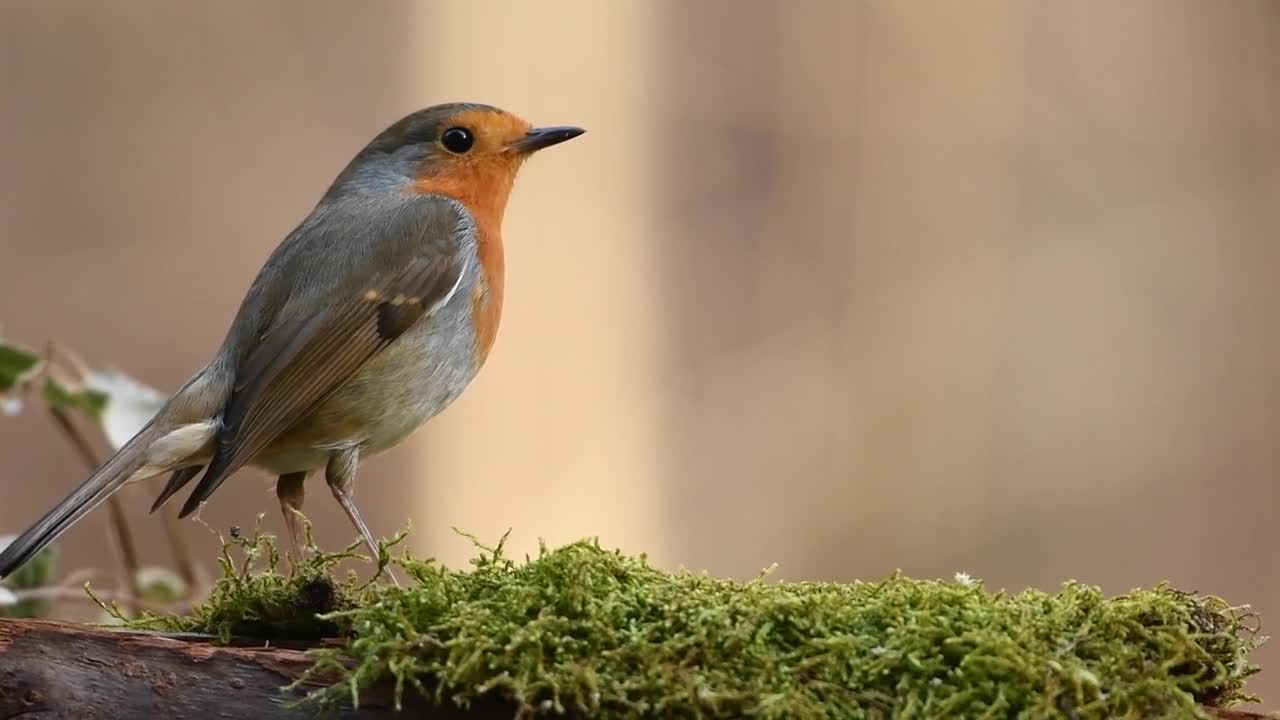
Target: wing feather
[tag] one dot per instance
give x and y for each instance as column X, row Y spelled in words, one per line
column 302, row 360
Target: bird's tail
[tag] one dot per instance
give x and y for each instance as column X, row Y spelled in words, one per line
column 157, row 448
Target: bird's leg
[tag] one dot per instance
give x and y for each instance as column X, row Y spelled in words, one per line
column 290, row 491
column 341, row 475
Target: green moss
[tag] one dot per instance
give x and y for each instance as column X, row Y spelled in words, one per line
column 588, row 632
column 255, row 598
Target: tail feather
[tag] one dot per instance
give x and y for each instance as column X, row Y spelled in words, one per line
column 105, row 481
column 177, row 481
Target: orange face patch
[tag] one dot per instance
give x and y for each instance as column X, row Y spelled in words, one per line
column 494, row 131
column 480, row 178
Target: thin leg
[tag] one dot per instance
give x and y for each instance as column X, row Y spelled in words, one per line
column 341, row 475
column 290, row 491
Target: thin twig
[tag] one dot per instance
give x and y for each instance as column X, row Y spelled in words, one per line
column 177, row 541
column 62, row 353
column 181, row 552
column 119, row 521
column 77, row 578
column 54, row 592
column 61, row 364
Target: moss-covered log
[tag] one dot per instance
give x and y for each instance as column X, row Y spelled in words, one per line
column 583, row 632
column 52, row 670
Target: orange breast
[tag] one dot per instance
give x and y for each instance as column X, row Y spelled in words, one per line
column 486, row 297
column 483, row 190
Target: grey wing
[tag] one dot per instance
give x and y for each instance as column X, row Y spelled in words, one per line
column 386, row 283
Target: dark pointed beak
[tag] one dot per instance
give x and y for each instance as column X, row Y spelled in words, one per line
column 545, row 137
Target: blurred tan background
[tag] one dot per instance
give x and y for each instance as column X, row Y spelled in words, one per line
column 848, row 286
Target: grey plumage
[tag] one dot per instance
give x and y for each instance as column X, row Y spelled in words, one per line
column 357, row 330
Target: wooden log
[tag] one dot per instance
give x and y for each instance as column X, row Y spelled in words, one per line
column 53, row 670
column 57, row 670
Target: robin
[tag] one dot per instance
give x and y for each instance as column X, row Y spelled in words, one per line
column 371, row 317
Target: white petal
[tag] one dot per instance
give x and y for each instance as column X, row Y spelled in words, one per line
column 10, row 405
column 130, row 404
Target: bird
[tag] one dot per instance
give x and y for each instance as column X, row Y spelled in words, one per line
column 367, row 320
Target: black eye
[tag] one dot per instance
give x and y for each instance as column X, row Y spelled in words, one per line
column 457, row 140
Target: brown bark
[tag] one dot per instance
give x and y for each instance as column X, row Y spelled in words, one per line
column 52, row 670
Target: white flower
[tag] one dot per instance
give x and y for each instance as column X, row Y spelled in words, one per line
column 130, row 404
column 10, row 405
column 964, row 579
